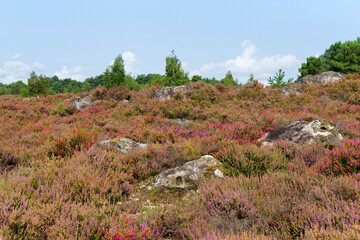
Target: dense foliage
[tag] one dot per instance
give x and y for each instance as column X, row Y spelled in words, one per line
column 339, row 57
column 56, row 182
column 174, row 72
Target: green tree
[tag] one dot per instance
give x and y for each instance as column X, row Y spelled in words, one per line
column 229, row 79
column 343, row 57
column 131, row 83
column 196, row 78
column 174, row 72
column 37, row 85
column 278, row 79
column 313, row 66
column 114, row 75
column 95, row 81
column 250, row 80
column 16, row 87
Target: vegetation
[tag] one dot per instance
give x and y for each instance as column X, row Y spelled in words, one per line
column 278, row 80
column 339, row 57
column 56, row 182
column 114, row 75
column 174, row 72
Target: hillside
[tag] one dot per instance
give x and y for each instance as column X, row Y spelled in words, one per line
column 59, row 179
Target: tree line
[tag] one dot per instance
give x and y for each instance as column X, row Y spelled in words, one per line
column 339, row 57
column 113, row 75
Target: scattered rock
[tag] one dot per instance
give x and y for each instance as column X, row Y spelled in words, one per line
column 124, row 145
column 169, row 92
column 81, row 103
column 180, row 121
column 122, row 102
column 302, row 132
column 30, row 98
column 322, row 78
column 188, row 175
column 287, row 91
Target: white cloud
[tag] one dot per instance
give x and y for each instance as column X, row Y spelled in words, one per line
column 246, row 63
column 14, row 70
column 76, row 73
column 130, row 62
column 38, row 66
column 17, row 57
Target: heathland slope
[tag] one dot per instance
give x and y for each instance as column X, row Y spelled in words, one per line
column 59, row 182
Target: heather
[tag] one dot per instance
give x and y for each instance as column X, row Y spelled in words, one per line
column 57, row 183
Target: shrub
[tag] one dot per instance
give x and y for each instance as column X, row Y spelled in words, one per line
column 250, row 160
column 116, row 93
column 344, row 159
column 8, row 162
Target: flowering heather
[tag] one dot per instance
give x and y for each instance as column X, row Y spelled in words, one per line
column 73, row 188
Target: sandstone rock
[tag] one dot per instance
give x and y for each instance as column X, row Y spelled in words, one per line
column 322, row 78
column 287, row 91
column 302, row 132
column 81, row 103
column 180, row 121
column 123, row 102
column 124, row 145
column 190, row 174
column 169, row 92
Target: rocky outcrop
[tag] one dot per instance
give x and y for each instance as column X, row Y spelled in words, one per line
column 188, row 175
column 81, row 103
column 169, row 92
column 124, row 145
column 287, row 91
column 322, row 78
column 302, row 132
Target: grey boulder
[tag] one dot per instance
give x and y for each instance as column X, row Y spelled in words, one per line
column 189, row 175
column 322, row 78
column 81, row 103
column 287, row 91
column 302, row 132
column 169, row 92
column 124, row 145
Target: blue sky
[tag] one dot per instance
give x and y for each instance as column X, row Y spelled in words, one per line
column 79, row 38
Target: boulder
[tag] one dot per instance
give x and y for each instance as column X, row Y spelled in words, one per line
column 302, row 132
column 169, row 92
column 322, row 78
column 81, row 103
column 189, row 175
column 124, row 145
column 287, row 91
column 180, row 121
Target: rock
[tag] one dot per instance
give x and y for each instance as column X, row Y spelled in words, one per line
column 169, row 92
column 302, row 132
column 189, row 175
column 81, row 103
column 322, row 78
column 123, row 102
column 287, row 91
column 124, row 145
column 180, row 121
column 30, row 98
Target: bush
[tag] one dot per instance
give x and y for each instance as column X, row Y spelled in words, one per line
column 250, row 160
column 344, row 159
column 116, row 93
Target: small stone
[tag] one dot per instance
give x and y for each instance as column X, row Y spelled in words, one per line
column 218, row 173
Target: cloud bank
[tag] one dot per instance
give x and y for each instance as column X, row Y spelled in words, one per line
column 246, row 63
column 16, row 69
column 77, row 73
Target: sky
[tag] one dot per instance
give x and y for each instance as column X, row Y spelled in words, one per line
column 79, row 39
